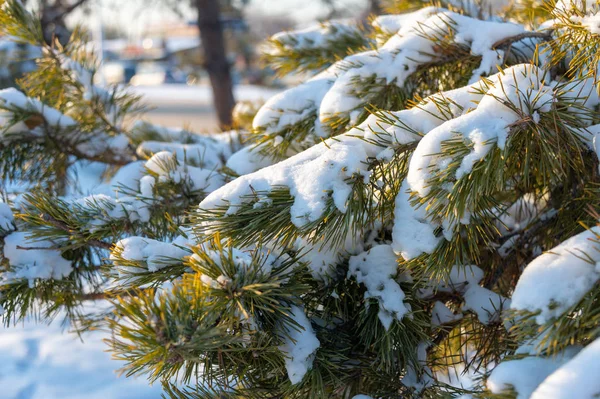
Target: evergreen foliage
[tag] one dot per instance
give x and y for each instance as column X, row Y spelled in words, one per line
column 419, row 218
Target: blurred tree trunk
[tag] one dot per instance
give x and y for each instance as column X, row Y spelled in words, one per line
column 216, row 63
column 374, row 7
column 52, row 17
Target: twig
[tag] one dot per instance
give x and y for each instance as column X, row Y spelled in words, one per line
column 64, row 227
column 512, row 39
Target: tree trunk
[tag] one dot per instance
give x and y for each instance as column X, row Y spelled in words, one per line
column 53, row 16
column 374, row 7
column 216, row 63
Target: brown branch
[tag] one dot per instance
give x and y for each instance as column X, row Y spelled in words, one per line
column 64, row 227
column 99, row 296
column 512, row 39
column 72, row 7
column 524, row 236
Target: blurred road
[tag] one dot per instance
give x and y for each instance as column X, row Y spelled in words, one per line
column 191, row 106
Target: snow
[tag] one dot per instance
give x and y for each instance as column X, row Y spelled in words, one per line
column 578, row 378
column 309, row 176
column 419, row 379
column 207, row 154
column 6, row 218
column 156, row 254
column 556, row 280
column 333, row 91
column 248, row 160
column 525, row 375
column 401, row 56
column 412, row 233
column 299, row 347
column 31, row 264
column 313, row 37
column 440, row 314
column 592, row 23
column 180, row 93
column 392, row 24
column 376, row 269
column 464, row 280
column 168, row 167
column 103, row 209
column 322, row 259
column 243, row 260
column 295, row 105
column 128, row 176
column 43, row 362
column 486, row 304
column 569, row 5
column 13, row 99
column 486, row 126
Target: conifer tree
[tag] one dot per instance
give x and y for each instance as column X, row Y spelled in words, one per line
column 419, row 218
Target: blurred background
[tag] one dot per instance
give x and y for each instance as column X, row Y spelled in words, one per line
column 192, row 61
column 157, row 47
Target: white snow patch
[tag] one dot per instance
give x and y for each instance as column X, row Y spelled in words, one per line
column 559, row 278
column 578, row 378
column 377, row 269
column 33, row 259
column 525, row 375
column 299, row 346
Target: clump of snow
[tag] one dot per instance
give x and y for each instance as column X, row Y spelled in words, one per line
column 209, row 154
column 592, row 23
column 103, row 209
column 415, row 378
column 7, row 221
column 589, row 6
column 413, row 234
column 464, row 280
column 33, row 259
column 525, row 375
column 392, row 24
column 167, row 167
column 485, row 127
column 99, row 144
column 556, row 280
column 295, row 105
column 404, row 53
column 578, row 378
column 313, row 37
column 310, row 176
column 156, row 254
column 248, row 160
column 243, row 260
column 440, row 314
column 13, row 100
column 299, row 347
column 486, row 304
column 376, row 269
column 128, row 176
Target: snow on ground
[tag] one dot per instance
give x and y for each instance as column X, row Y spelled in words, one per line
column 44, row 362
column 181, row 93
column 191, row 106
